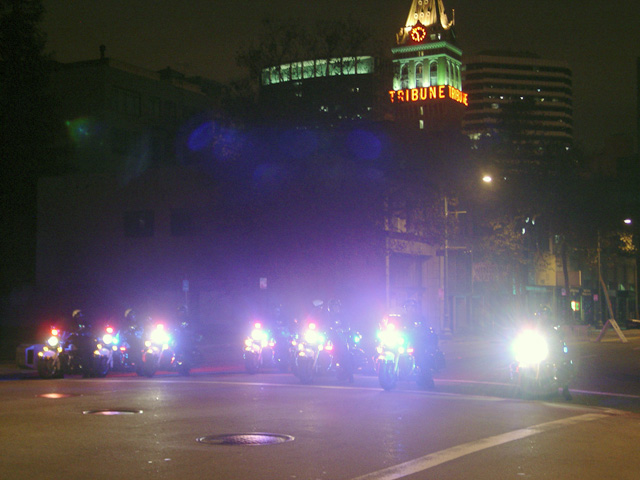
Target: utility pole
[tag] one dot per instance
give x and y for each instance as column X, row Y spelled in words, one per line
column 446, row 326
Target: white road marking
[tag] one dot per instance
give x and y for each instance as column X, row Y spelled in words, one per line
column 434, row 459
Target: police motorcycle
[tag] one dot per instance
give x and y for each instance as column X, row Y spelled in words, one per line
column 156, row 354
column 184, row 347
column 313, row 352
column 75, row 352
column 148, row 346
column 258, row 349
column 323, row 345
column 541, row 363
column 407, row 350
column 130, row 346
column 268, row 345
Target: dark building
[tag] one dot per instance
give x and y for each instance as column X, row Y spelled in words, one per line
column 519, row 101
column 324, row 92
column 122, row 118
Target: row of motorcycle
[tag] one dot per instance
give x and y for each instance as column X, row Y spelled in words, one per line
column 94, row 350
column 405, row 349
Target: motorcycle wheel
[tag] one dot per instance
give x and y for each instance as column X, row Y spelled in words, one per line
column 387, row 375
column 184, row 369
column 304, row 369
column 147, row 367
column 282, row 365
column 425, row 379
column 251, row 363
column 49, row 368
column 100, row 366
column 532, row 386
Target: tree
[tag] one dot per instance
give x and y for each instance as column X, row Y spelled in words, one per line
column 25, row 134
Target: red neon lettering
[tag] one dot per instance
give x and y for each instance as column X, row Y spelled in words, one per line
column 428, row 93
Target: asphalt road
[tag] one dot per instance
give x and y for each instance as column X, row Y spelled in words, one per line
column 472, row 426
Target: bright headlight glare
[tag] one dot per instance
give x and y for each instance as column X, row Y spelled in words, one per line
column 530, row 348
column 107, row 339
column 53, row 341
column 159, row 336
column 312, row 336
column 259, row 336
column 391, row 337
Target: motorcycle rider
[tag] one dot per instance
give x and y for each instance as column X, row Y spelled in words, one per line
column 338, row 332
column 132, row 341
column 547, row 324
column 186, row 340
column 80, row 343
column 424, row 338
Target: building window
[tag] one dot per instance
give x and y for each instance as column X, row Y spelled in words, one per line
column 419, row 76
column 433, row 73
column 296, row 71
column 266, row 76
column 404, row 76
column 307, row 69
column 181, row 224
column 139, row 223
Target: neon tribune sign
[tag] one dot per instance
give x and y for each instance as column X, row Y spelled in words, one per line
column 423, row 94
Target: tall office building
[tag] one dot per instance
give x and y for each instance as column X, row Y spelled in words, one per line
column 518, row 100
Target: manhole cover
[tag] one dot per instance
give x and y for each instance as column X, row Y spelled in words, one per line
column 57, row 395
column 246, row 439
column 111, row 412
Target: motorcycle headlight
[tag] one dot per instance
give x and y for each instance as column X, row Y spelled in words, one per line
column 314, row 337
column 530, row 347
column 391, row 337
column 260, row 336
column 53, row 341
column 160, row 336
column 107, row 339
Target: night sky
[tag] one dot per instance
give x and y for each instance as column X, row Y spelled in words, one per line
column 599, row 39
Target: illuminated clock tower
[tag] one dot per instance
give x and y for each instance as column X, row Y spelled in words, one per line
column 427, row 81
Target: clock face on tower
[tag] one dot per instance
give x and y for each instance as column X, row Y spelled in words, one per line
column 418, row 33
